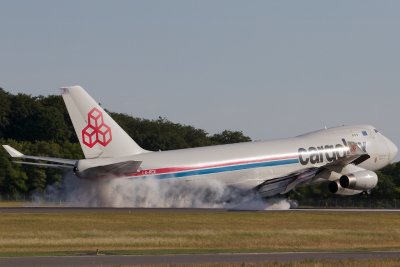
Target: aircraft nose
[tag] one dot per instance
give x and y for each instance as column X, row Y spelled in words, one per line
column 392, row 149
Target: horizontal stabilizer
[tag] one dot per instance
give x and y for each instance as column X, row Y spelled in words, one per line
column 48, row 165
column 16, row 154
column 13, row 152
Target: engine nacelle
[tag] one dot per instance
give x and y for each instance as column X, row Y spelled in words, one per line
column 336, row 188
column 361, row 180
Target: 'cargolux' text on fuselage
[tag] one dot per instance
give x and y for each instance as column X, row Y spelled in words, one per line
column 328, row 153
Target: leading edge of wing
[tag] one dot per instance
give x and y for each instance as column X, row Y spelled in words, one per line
column 16, row 154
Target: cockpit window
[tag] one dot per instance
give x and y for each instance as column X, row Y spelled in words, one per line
column 376, row 130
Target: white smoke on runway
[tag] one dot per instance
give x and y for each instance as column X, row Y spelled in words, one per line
column 150, row 192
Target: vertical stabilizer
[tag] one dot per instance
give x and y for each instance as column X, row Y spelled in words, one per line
column 99, row 135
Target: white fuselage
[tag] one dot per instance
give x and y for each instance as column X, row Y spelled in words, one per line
column 246, row 165
column 346, row 156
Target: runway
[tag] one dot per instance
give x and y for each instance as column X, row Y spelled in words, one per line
column 61, row 209
column 108, row 260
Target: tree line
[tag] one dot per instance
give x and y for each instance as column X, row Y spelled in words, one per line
column 40, row 125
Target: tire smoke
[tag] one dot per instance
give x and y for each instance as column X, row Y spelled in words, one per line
column 153, row 193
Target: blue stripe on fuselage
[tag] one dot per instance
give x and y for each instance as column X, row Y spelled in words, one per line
column 227, row 168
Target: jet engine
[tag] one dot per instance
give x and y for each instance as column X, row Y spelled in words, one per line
column 336, row 188
column 361, row 180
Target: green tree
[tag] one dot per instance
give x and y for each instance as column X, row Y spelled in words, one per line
column 12, row 178
column 229, row 137
column 4, row 111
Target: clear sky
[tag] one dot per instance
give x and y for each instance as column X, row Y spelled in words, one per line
column 269, row 68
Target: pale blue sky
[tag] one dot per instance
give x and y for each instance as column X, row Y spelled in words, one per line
column 269, row 68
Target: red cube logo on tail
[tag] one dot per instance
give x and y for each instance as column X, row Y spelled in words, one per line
column 96, row 131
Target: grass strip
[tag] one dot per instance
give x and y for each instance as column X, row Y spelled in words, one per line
column 156, row 233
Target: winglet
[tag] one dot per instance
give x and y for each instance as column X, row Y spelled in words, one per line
column 355, row 149
column 357, row 154
column 13, row 152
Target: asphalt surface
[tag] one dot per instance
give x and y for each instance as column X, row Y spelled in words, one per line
column 166, row 210
column 107, row 260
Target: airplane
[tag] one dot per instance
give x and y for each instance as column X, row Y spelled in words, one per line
column 345, row 157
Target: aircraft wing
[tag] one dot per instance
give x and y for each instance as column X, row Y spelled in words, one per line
column 284, row 184
column 60, row 163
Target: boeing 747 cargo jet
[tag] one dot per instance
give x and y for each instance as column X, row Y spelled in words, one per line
column 346, row 156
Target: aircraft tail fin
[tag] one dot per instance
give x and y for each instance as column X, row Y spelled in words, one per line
column 99, row 135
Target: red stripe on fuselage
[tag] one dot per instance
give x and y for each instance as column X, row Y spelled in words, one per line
column 147, row 172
